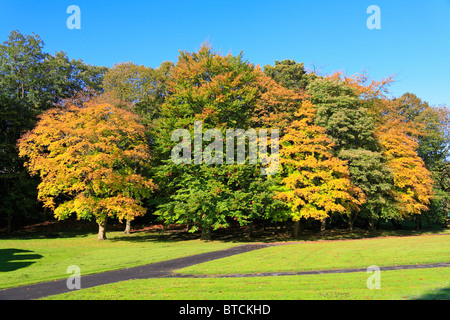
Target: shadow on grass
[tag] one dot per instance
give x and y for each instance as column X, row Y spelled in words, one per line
column 47, row 235
column 152, row 236
column 436, row 294
column 343, row 234
column 159, row 233
column 13, row 259
column 269, row 235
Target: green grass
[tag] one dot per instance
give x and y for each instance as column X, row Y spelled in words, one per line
column 31, row 260
column 395, row 285
column 320, row 255
column 38, row 259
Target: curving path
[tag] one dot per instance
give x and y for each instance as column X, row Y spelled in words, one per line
column 154, row 270
column 165, row 269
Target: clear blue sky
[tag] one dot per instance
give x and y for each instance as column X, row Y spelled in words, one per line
column 413, row 43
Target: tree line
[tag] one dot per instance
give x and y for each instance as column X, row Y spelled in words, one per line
column 96, row 143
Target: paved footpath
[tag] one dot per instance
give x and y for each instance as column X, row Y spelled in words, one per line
column 155, row 270
column 165, row 269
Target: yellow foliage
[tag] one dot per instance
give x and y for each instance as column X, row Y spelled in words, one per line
column 317, row 183
column 412, row 180
column 88, row 156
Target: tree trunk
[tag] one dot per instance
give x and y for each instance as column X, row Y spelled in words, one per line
column 206, row 233
column 427, row 217
column 418, row 222
column 250, row 230
column 351, row 220
column 371, row 224
column 44, row 215
column 101, row 230
column 296, row 229
column 127, row 227
column 396, row 224
column 323, row 225
column 447, row 216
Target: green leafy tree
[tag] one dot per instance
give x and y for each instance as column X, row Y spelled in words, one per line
column 351, row 126
column 369, row 172
column 142, row 88
column 17, row 189
column 343, row 115
column 223, row 92
column 208, row 198
column 38, row 78
column 290, row 74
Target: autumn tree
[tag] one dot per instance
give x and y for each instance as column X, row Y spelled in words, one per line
column 316, row 183
column 412, row 180
column 276, row 105
column 429, row 127
column 222, row 92
column 142, row 90
column 31, row 81
column 419, row 132
column 90, row 160
column 399, row 135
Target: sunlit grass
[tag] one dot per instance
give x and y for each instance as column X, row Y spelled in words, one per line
column 32, row 260
column 319, row 255
column 395, row 285
column 39, row 259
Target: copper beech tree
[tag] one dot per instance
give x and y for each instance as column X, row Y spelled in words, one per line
column 90, row 160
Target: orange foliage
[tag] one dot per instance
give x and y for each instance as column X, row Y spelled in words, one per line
column 276, row 105
column 89, row 159
column 412, row 181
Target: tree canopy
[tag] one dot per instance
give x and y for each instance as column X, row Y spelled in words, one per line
column 90, row 161
column 99, row 142
column 31, row 82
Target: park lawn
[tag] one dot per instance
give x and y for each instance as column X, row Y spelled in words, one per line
column 394, row 285
column 32, row 260
column 340, row 254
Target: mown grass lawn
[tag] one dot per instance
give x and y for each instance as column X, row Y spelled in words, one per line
column 37, row 259
column 341, row 254
column 395, row 285
column 308, row 255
